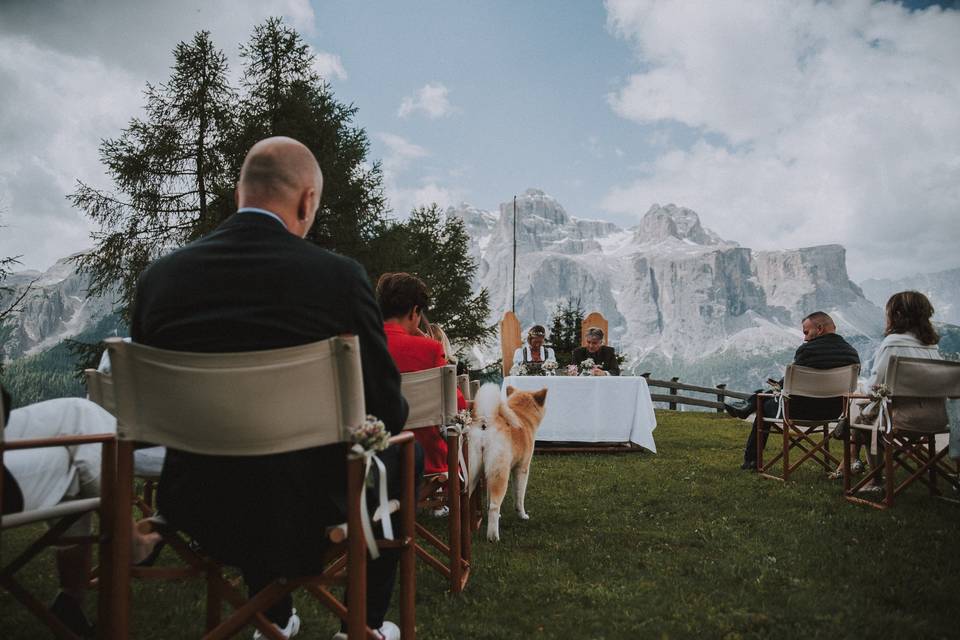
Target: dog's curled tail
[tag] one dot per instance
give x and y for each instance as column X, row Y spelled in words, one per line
column 489, row 402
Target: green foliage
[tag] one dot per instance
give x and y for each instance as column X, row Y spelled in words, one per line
column 167, row 170
column 681, row 544
column 434, row 248
column 564, row 335
column 57, row 372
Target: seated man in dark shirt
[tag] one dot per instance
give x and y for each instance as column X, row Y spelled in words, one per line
column 604, row 357
column 822, row 348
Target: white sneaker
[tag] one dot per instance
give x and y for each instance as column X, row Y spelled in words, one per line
column 292, row 628
column 388, row 631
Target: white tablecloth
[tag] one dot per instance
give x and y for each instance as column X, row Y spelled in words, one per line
column 593, row 408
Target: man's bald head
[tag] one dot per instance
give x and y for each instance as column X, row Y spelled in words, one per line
column 281, row 175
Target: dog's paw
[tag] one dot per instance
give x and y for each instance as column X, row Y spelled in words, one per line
column 493, row 536
column 523, row 515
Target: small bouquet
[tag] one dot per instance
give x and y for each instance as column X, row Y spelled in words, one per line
column 372, row 435
column 464, row 418
column 571, row 370
column 586, row 367
column 550, row 368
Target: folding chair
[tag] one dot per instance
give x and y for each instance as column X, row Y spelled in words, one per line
column 910, row 419
column 255, row 403
column 808, row 383
column 432, row 396
column 59, row 517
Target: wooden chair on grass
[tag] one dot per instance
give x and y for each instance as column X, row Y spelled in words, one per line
column 797, row 433
column 915, row 412
column 432, row 396
column 255, row 403
column 59, row 519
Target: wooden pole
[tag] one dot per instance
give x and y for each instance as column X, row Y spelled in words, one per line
column 720, row 396
column 513, row 289
column 673, row 392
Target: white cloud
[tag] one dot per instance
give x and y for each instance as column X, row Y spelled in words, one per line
column 431, row 99
column 830, row 122
column 329, row 65
column 73, row 74
column 404, row 193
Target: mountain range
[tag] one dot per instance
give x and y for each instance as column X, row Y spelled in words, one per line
column 680, row 300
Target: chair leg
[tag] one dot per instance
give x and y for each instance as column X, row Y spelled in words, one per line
column 932, row 453
column 889, row 485
column 408, row 558
column 452, row 491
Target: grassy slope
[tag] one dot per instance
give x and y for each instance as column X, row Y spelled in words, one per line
column 681, row 544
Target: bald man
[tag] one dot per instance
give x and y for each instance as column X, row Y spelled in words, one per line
column 254, row 283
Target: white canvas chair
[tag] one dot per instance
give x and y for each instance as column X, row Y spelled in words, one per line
column 255, row 403
column 59, row 518
column 432, row 396
column 910, row 419
column 797, row 434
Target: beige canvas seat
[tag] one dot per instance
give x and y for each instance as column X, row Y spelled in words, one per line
column 255, row 403
column 914, row 413
column 797, row 433
column 59, row 519
column 432, row 396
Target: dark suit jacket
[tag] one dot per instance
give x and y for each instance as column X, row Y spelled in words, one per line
column 606, row 358
column 251, row 285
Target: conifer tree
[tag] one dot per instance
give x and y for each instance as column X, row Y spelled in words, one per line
column 435, row 248
column 284, row 95
column 169, row 172
column 565, row 330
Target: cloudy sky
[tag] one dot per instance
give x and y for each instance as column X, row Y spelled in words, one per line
column 783, row 123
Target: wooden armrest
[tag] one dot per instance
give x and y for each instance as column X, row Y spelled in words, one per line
column 401, row 438
column 59, row 441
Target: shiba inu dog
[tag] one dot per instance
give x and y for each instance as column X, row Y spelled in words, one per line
column 503, row 446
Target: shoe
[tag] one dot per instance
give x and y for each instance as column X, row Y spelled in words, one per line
column 857, row 467
column 442, row 512
column 68, row 611
column 292, row 628
column 740, row 410
column 388, row 631
column 749, row 465
column 871, row 488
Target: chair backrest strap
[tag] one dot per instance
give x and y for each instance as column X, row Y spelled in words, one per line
column 820, row 383
column 251, row 403
column 432, row 396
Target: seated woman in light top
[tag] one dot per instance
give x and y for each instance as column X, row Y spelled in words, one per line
column 534, row 352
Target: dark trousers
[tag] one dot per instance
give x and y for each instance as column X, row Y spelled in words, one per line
column 800, row 408
column 381, row 573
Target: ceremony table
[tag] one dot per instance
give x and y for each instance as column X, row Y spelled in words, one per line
column 594, row 409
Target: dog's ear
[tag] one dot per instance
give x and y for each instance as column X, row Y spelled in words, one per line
column 510, row 390
column 540, row 396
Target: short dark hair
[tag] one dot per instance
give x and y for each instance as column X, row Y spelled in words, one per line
column 910, row 312
column 595, row 332
column 399, row 293
column 821, row 318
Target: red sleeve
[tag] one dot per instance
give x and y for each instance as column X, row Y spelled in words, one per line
column 461, row 401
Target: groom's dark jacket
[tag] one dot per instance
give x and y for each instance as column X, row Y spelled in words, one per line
column 251, row 285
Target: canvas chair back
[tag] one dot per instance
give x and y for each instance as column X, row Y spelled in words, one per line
column 218, row 403
column 920, row 388
column 463, row 383
column 820, row 383
column 432, row 396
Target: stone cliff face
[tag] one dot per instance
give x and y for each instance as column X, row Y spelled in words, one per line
column 57, row 307
column 943, row 289
column 673, row 291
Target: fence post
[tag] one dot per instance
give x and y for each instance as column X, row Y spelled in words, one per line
column 673, row 392
column 721, row 397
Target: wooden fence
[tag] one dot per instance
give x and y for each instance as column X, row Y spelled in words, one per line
column 674, row 399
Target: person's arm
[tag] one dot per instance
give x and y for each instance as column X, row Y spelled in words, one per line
column 381, row 380
column 613, row 367
column 518, row 356
column 550, row 354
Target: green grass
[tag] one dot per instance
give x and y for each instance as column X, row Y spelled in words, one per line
column 675, row 545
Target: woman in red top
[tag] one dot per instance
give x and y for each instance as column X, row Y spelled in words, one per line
column 403, row 299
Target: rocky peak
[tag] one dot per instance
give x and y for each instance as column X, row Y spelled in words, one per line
column 667, row 222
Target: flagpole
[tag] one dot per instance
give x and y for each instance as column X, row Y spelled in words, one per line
column 513, row 295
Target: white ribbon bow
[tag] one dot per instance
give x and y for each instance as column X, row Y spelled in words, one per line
column 383, row 510
column 457, row 429
column 780, row 395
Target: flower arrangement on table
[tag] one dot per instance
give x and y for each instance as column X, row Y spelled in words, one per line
column 586, row 367
column 547, row 368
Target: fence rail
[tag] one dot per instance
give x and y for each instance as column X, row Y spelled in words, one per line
column 673, row 397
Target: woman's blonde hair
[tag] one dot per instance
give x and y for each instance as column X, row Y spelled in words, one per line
column 438, row 334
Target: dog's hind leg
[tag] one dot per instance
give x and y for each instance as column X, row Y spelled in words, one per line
column 521, row 473
column 496, row 490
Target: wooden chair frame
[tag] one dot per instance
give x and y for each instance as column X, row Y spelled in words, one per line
column 445, row 489
column 913, row 451
column 65, row 514
column 346, row 557
column 796, row 434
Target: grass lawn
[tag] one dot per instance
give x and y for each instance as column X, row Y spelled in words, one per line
column 675, row 545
